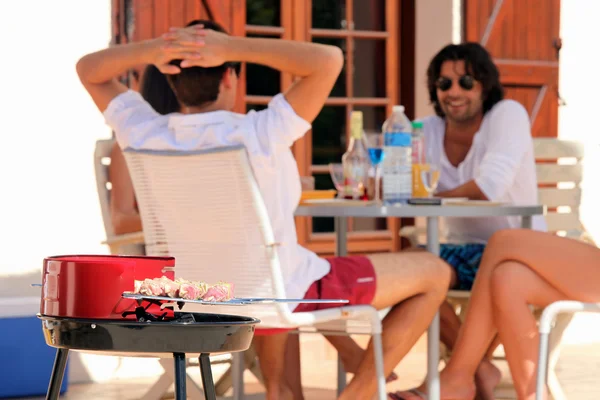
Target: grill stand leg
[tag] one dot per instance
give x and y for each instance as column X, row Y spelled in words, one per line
column 58, row 372
column 207, row 379
column 180, row 376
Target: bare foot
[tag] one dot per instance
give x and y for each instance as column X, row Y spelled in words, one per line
column 452, row 387
column 486, row 379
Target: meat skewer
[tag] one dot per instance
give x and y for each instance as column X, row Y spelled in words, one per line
column 181, row 288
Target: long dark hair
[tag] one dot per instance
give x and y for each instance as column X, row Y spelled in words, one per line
column 155, row 89
column 478, row 63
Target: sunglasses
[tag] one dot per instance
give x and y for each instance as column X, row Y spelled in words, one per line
column 235, row 66
column 467, row 82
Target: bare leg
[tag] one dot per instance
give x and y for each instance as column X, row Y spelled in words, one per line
column 293, row 370
column 449, row 325
column 270, row 351
column 351, row 354
column 546, row 255
column 415, row 284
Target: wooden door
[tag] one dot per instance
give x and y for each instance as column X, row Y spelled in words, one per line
column 523, row 38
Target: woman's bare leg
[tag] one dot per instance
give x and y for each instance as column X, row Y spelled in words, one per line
column 292, row 372
column 514, row 286
column 563, row 269
column 547, row 255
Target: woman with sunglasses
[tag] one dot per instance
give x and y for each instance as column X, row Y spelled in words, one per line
column 483, row 146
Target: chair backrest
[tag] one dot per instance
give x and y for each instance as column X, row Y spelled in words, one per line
column 101, row 165
column 559, row 173
column 205, row 209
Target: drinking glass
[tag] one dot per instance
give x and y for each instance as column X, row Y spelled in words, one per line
column 376, row 155
column 430, row 176
column 336, row 171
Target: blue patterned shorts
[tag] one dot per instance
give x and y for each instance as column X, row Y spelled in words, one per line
column 464, row 259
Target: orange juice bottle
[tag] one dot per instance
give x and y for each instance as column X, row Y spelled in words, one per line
column 418, row 160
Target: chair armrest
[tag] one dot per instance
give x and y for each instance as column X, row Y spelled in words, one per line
column 127, row 238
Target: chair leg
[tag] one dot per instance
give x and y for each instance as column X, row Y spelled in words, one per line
column 341, row 376
column 378, row 350
column 561, row 323
column 554, row 387
column 542, row 365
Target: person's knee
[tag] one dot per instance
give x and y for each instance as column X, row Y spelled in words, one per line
column 501, row 238
column 507, row 239
column 442, row 274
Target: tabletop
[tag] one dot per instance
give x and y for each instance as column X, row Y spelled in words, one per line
column 370, row 210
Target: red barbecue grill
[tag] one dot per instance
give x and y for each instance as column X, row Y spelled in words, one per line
column 88, row 305
column 83, row 308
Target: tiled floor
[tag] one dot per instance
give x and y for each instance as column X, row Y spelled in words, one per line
column 578, row 372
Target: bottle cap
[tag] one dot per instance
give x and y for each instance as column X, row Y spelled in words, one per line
column 398, row 109
column 417, row 124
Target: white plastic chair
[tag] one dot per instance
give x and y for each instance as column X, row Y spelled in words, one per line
column 132, row 244
column 545, row 326
column 205, row 209
column 129, row 243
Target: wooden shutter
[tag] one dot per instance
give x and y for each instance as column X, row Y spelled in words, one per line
column 523, row 38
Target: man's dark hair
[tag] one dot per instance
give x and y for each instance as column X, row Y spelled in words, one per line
column 155, row 89
column 195, row 86
column 478, row 63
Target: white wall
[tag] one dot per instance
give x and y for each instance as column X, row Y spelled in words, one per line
column 577, row 121
column 49, row 203
column 438, row 23
column 579, row 87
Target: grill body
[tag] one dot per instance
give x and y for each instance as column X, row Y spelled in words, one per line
column 91, row 287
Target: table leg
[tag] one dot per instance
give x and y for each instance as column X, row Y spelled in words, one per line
column 341, row 249
column 433, row 333
column 58, row 372
column 526, row 222
column 180, row 376
column 207, row 378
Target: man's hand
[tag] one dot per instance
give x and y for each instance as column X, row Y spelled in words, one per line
column 98, row 71
column 196, row 46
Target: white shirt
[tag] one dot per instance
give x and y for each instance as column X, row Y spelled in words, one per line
column 500, row 160
column 267, row 136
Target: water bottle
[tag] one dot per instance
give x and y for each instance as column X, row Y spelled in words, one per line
column 397, row 164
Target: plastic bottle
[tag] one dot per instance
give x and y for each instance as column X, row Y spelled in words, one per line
column 397, row 164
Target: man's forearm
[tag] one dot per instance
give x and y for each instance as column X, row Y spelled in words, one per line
column 298, row 58
column 469, row 190
column 105, row 65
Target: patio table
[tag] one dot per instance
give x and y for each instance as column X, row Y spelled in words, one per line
column 432, row 213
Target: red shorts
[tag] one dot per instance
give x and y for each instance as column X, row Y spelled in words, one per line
column 350, row 278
